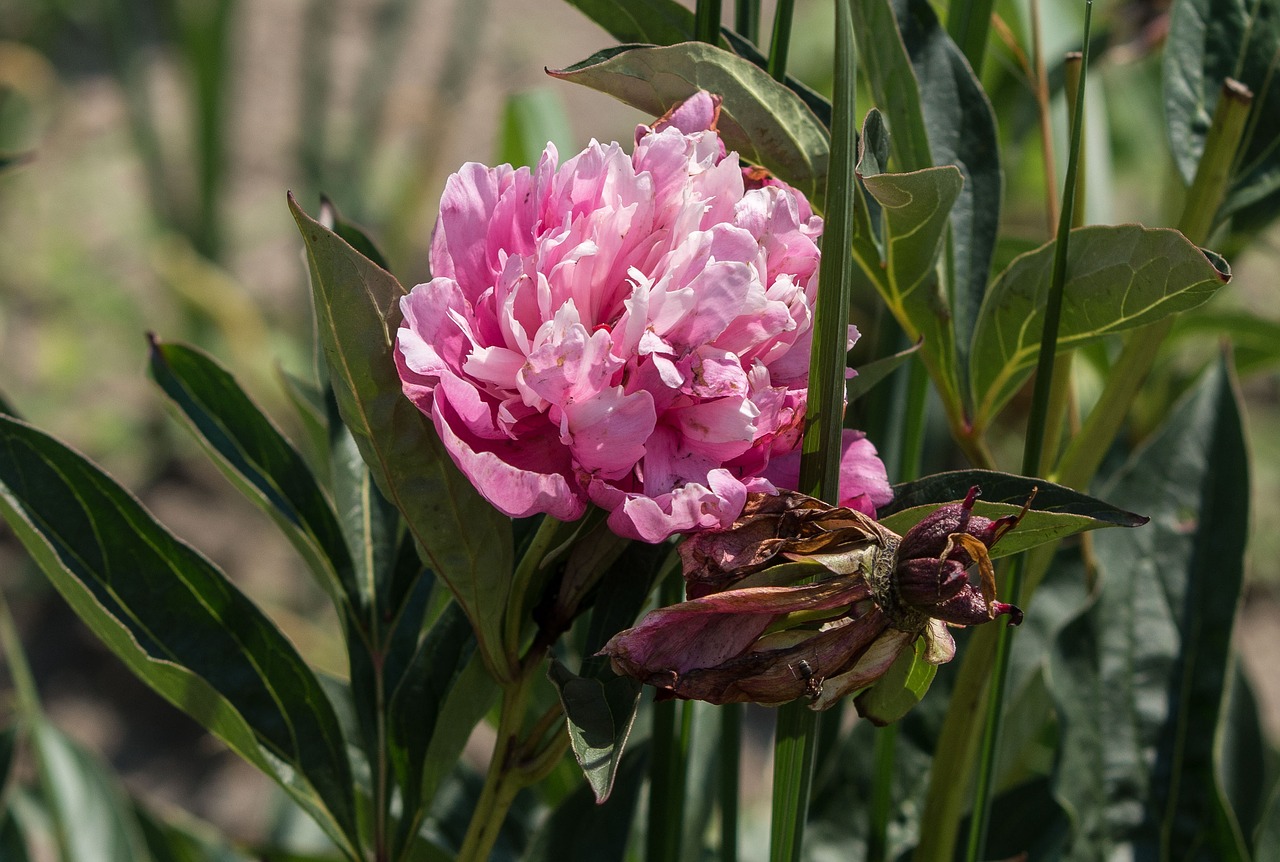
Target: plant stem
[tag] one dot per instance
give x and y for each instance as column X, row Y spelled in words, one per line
column 706, row 22
column 1208, row 189
column 780, row 43
column 542, row 542
column 730, row 766
column 667, row 767
column 1041, row 80
column 882, row 794
column 746, row 19
column 502, row 782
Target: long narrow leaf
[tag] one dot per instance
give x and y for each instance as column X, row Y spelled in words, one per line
column 176, row 621
column 249, row 448
column 465, row 541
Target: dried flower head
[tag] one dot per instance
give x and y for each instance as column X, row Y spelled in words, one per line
column 754, row 630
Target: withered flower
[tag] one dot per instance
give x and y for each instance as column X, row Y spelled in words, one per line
column 802, row 599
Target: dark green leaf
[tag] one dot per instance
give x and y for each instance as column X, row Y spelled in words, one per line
column 1138, row 676
column 1245, row 779
column 761, row 119
column 961, row 127
column 309, row 403
column 530, row 121
column 465, row 541
column 91, row 814
column 8, row 745
column 900, row 689
column 580, row 831
column 1118, row 277
column 253, row 453
column 419, row 702
column 13, row 839
column 6, row 408
column 175, row 620
column 599, row 716
column 1209, row 41
column 659, row 22
column 1056, row 511
column 894, row 88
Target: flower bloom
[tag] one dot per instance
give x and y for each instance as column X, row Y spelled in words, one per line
column 631, row 331
column 752, row 633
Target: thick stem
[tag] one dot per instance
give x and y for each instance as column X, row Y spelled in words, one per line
column 730, row 765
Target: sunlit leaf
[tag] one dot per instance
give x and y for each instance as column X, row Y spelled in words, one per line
column 1118, row 277
column 464, row 540
column 252, row 452
column 176, row 621
column 761, row 119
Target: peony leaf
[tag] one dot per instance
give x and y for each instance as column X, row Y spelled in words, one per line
column 177, row 622
column 914, row 211
column 91, row 814
column 1209, row 41
column 258, row 460
column 1118, row 277
column 873, row 372
column 902, row 687
column 599, row 714
column 464, row 540
column 1138, row 676
column 761, row 119
column 1056, row 511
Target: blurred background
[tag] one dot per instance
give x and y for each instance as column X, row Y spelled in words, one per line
column 148, row 146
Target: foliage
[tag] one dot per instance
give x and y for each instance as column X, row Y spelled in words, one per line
column 1128, row 728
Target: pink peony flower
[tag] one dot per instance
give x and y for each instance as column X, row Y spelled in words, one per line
column 631, row 331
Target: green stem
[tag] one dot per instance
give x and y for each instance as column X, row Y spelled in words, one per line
column 796, row 736
column 780, row 43
column 706, row 22
column 746, row 19
column 1208, row 189
column 882, row 794
column 503, row 781
column 730, row 766
column 526, row 571
column 667, row 768
column 1032, row 464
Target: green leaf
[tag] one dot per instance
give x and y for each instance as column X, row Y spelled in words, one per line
column 8, row 745
column 1209, row 41
column 914, row 211
column 1255, row 340
column 579, row 830
column 1138, row 676
column 176, row 621
column 464, row 540
column 181, row 840
column 761, row 119
column 530, row 121
column 1266, row 841
column 13, row 839
column 873, row 372
column 351, row 233
column 659, row 22
column 309, row 403
column 1056, row 511
column 599, row 716
column 902, row 687
column 1118, row 277
column 419, row 701
column 894, row 88
column 257, row 458
column 961, row 129
column 91, row 814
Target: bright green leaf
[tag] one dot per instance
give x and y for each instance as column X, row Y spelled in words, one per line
column 1138, row 676
column 902, row 687
column 762, row 120
column 464, row 540
column 258, row 459
column 176, row 620
column 1118, row 277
